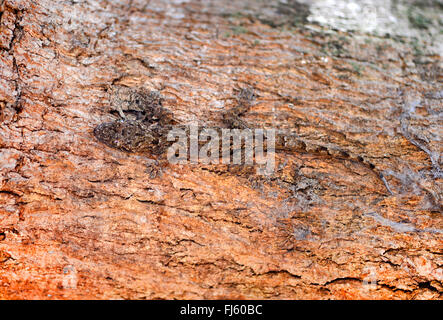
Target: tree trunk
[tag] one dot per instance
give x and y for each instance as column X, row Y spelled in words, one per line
column 357, row 217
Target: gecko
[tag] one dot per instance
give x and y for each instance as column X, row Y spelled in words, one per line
column 145, row 123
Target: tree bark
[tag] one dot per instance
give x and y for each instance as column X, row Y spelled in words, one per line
column 79, row 219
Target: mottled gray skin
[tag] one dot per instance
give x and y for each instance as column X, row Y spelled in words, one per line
column 232, row 117
column 148, row 132
column 136, row 104
column 133, row 136
column 144, row 122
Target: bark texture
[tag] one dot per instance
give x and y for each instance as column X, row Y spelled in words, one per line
column 79, row 219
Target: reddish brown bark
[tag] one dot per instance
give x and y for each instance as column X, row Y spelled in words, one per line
column 81, row 220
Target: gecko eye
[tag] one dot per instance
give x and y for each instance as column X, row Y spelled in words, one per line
column 344, row 154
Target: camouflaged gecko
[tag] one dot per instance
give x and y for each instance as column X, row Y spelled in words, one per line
column 145, row 123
